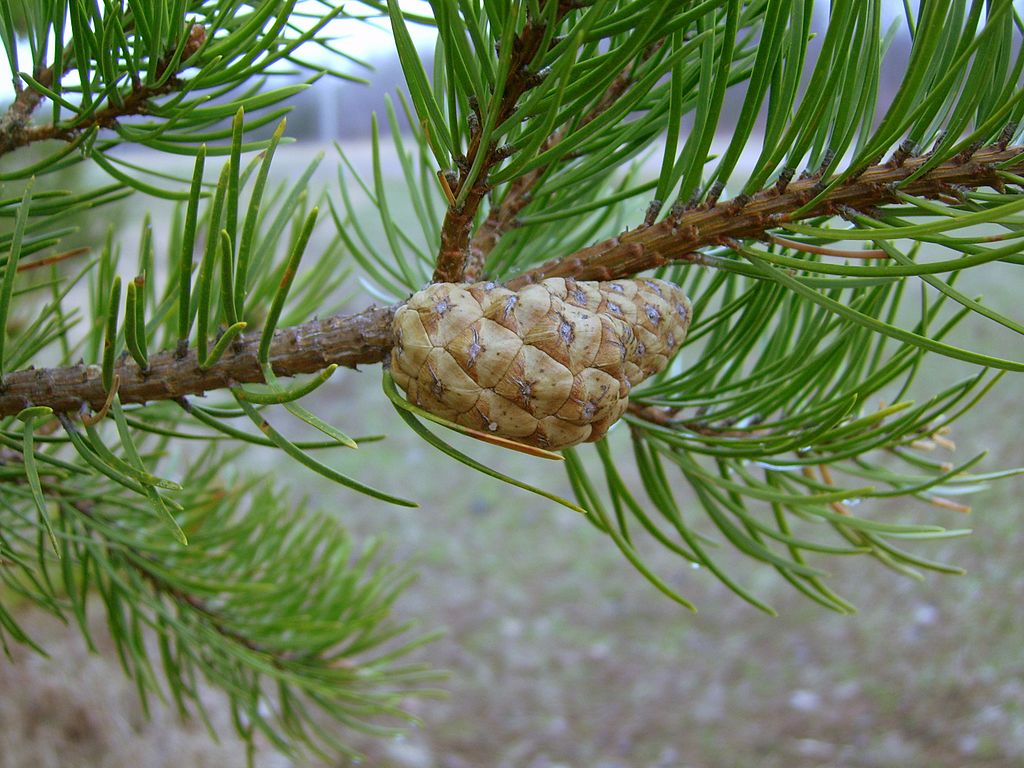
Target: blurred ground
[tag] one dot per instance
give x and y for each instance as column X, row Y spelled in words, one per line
column 562, row 656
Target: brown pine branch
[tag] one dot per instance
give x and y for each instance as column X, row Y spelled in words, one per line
column 347, row 340
column 453, row 255
column 15, row 128
column 679, row 238
column 502, row 217
column 15, row 121
column 365, row 337
column 135, row 103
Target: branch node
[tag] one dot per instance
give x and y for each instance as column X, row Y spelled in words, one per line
column 653, row 209
column 675, row 213
column 826, row 161
column 846, row 211
column 959, row 191
column 503, row 152
column 939, row 138
column 906, row 149
column 967, row 153
column 533, row 79
column 737, row 204
column 785, row 176
column 1006, row 135
column 715, row 192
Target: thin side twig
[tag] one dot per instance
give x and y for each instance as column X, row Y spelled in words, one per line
column 15, row 128
column 453, row 252
column 502, row 217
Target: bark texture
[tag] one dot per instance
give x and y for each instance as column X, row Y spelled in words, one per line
column 347, row 340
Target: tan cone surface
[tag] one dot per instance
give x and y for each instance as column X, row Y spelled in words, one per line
column 550, row 365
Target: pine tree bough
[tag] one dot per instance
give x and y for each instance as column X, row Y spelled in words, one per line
column 550, row 365
column 680, row 237
column 15, row 129
column 454, row 254
column 366, row 337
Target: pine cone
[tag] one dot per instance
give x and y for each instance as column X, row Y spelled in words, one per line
column 550, row 365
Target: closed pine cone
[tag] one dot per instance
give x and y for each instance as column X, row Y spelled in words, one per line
column 550, row 365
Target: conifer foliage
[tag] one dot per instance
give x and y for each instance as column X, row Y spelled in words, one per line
column 820, row 243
